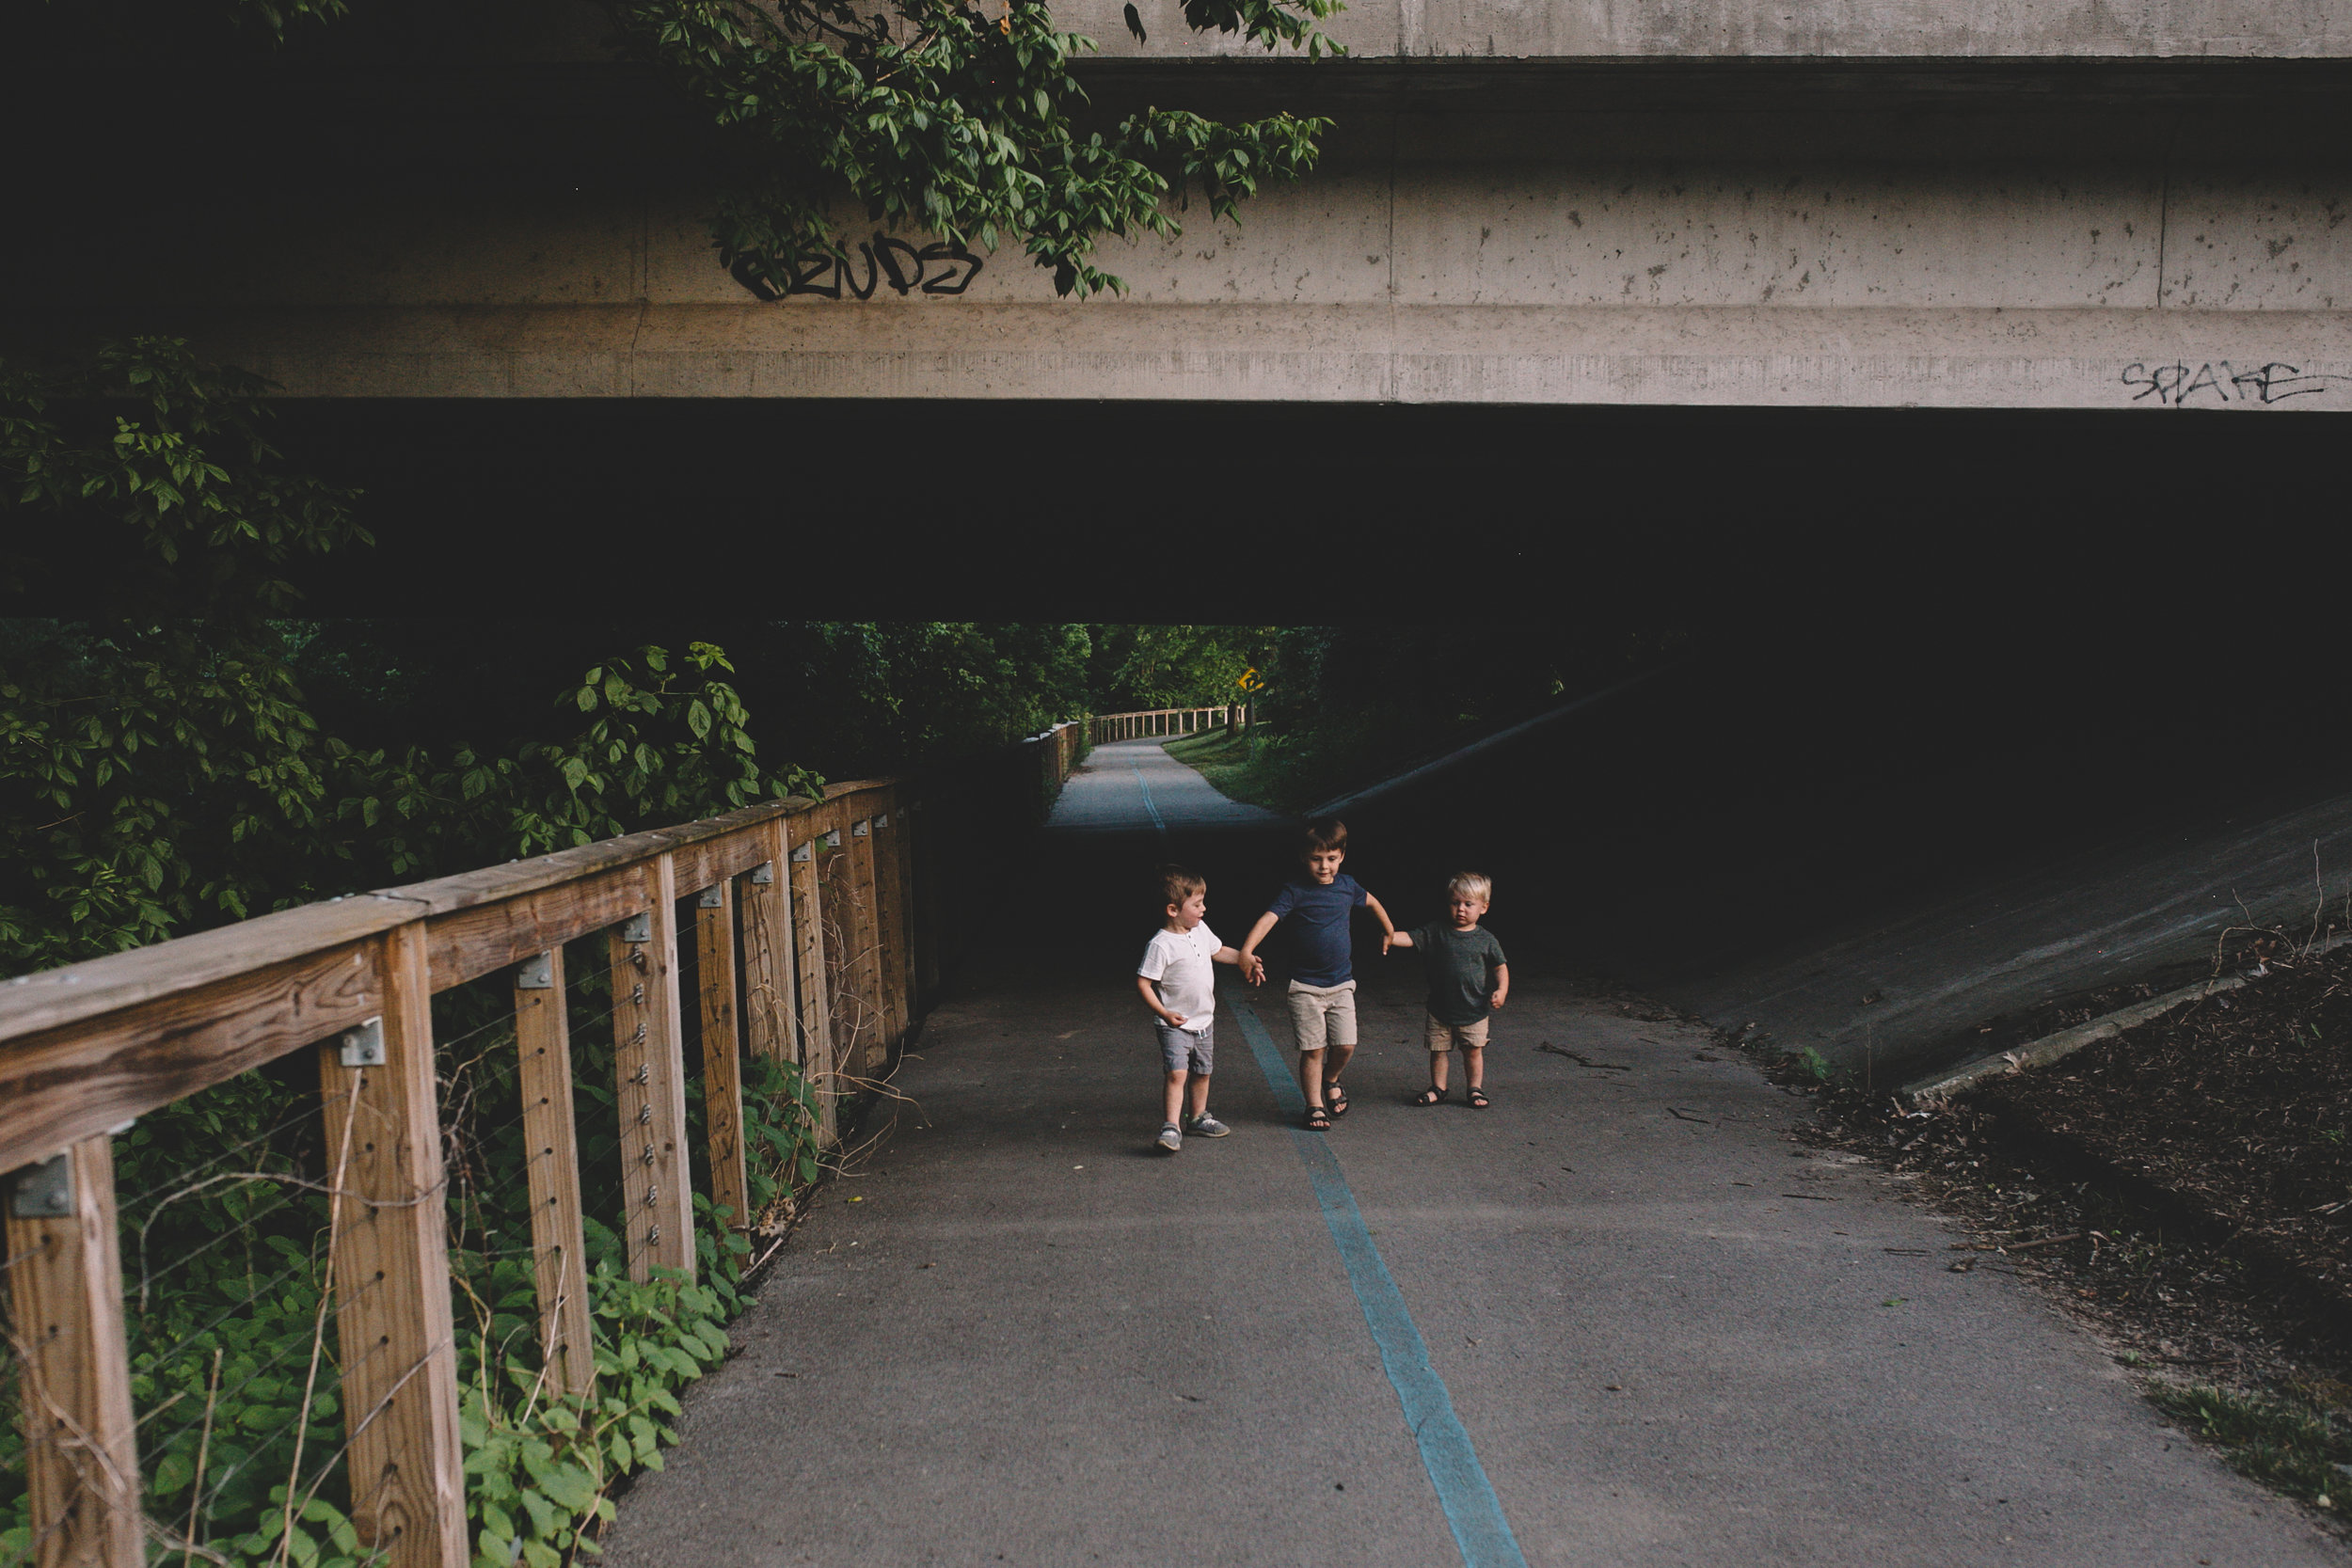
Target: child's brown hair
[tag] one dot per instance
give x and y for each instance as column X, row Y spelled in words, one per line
column 1323, row 832
column 1178, row 883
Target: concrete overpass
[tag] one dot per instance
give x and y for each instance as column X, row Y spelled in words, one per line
column 1995, row 203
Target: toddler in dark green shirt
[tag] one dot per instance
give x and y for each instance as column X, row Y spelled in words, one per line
column 1469, row 979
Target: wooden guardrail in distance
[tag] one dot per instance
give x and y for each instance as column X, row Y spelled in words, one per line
column 806, row 923
column 1145, row 722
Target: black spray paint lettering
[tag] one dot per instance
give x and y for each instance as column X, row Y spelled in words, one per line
column 2217, row 382
column 939, row 268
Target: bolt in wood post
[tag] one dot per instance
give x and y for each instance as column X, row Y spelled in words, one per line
column 73, row 1371
column 809, row 970
column 391, row 1259
column 543, row 1041
column 770, row 1005
column 722, row 1072
column 649, row 1062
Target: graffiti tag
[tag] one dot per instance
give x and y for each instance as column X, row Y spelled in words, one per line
column 939, row 268
column 2174, row 385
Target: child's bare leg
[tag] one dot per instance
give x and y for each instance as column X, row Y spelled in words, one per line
column 1173, row 1098
column 1198, row 1093
column 1334, row 1063
column 1473, row 1066
column 1310, row 1077
column 1438, row 1060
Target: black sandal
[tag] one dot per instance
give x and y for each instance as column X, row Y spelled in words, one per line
column 1429, row 1097
column 1318, row 1119
column 1336, row 1097
column 1478, row 1101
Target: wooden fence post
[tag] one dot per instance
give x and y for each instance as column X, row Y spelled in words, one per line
column 889, row 941
column 543, row 1039
column 770, row 1008
column 73, row 1370
column 866, row 946
column 896, row 850
column 722, row 1072
column 391, row 1257
column 809, row 967
column 649, row 1062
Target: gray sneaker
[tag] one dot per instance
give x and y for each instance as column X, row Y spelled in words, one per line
column 1171, row 1137
column 1206, row 1126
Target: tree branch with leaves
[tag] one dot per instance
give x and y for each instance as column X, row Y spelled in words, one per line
column 933, row 114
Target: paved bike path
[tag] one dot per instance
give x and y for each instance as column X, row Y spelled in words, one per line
column 1668, row 1334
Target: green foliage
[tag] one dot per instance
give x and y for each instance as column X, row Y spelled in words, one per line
column 156, row 471
column 2294, row 1446
column 888, row 695
column 1174, row 666
column 935, row 115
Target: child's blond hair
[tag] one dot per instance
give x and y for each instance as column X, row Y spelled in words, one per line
column 1470, row 884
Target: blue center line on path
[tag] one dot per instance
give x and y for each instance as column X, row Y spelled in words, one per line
column 1470, row 1506
column 1148, row 806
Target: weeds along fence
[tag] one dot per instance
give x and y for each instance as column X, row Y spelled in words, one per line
column 1145, row 723
column 386, row 1230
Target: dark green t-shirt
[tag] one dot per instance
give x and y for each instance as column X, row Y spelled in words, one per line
column 1461, row 968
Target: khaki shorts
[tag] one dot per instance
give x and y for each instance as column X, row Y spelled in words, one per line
column 1323, row 1015
column 1445, row 1036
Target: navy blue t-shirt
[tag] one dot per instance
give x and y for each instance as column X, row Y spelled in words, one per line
column 1319, row 935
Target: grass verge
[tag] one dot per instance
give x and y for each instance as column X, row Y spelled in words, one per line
column 2291, row 1446
column 1235, row 765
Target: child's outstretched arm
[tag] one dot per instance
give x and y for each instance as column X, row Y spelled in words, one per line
column 1252, row 966
column 1503, row 986
column 1232, row 955
column 1152, row 1000
column 1388, row 926
column 1397, row 939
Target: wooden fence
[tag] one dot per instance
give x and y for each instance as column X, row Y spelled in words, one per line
column 1145, row 723
column 85, row 1049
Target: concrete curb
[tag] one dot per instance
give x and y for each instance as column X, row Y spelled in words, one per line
column 2049, row 1048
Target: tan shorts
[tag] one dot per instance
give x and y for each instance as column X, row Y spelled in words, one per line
column 1323, row 1015
column 1445, row 1036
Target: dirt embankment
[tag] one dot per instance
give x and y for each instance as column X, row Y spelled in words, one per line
column 2185, row 1187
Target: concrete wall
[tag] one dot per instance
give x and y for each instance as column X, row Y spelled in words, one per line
column 2058, row 233
column 1855, row 29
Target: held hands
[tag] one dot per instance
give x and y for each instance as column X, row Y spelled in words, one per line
column 1252, row 968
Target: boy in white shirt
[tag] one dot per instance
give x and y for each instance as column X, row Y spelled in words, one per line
column 1178, row 980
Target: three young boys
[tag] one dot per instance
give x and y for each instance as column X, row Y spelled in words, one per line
column 1467, row 980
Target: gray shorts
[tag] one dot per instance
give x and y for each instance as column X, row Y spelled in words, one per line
column 1181, row 1050
column 1323, row 1015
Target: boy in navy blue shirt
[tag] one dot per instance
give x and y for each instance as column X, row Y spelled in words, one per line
column 1322, row 992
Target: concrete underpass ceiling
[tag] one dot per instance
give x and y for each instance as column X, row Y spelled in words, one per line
column 1731, row 204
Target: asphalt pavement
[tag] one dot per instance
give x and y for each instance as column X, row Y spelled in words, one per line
column 1665, row 1333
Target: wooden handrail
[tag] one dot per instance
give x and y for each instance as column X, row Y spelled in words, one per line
column 89, row 1047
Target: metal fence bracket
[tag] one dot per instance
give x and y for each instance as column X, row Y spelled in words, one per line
column 363, row 1046
column 709, row 898
column 764, row 873
column 536, row 973
column 44, row 1190
column 637, row 927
